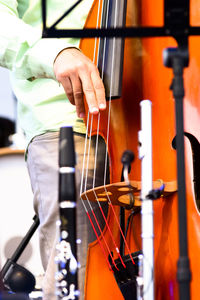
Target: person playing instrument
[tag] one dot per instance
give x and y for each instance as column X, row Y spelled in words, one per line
column 49, row 77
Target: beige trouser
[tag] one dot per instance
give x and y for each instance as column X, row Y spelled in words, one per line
column 42, row 164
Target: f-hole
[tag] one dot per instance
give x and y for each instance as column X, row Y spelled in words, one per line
column 195, row 146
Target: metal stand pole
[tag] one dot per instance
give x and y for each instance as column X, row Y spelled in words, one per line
column 177, row 59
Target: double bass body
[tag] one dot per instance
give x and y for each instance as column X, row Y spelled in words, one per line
column 145, row 77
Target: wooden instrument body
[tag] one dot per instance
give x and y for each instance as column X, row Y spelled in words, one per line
column 145, row 77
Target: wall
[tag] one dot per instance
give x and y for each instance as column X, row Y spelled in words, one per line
column 7, row 102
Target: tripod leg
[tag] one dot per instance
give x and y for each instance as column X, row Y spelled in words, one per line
column 14, row 276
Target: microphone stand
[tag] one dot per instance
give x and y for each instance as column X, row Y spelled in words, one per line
column 177, row 59
column 145, row 154
column 177, row 19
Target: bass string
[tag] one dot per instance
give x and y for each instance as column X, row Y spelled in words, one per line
column 85, row 170
column 87, row 150
column 88, row 201
column 94, row 178
column 107, row 142
column 94, row 171
column 85, row 166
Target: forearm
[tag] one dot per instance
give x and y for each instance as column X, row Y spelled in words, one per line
column 22, row 49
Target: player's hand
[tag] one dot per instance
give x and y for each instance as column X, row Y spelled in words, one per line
column 79, row 76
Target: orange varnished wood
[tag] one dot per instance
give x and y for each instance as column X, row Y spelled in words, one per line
column 156, row 82
column 100, row 282
column 145, row 77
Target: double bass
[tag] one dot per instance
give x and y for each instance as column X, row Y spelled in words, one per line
column 144, row 77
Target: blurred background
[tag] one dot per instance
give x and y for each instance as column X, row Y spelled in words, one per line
column 7, row 103
column 16, row 205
